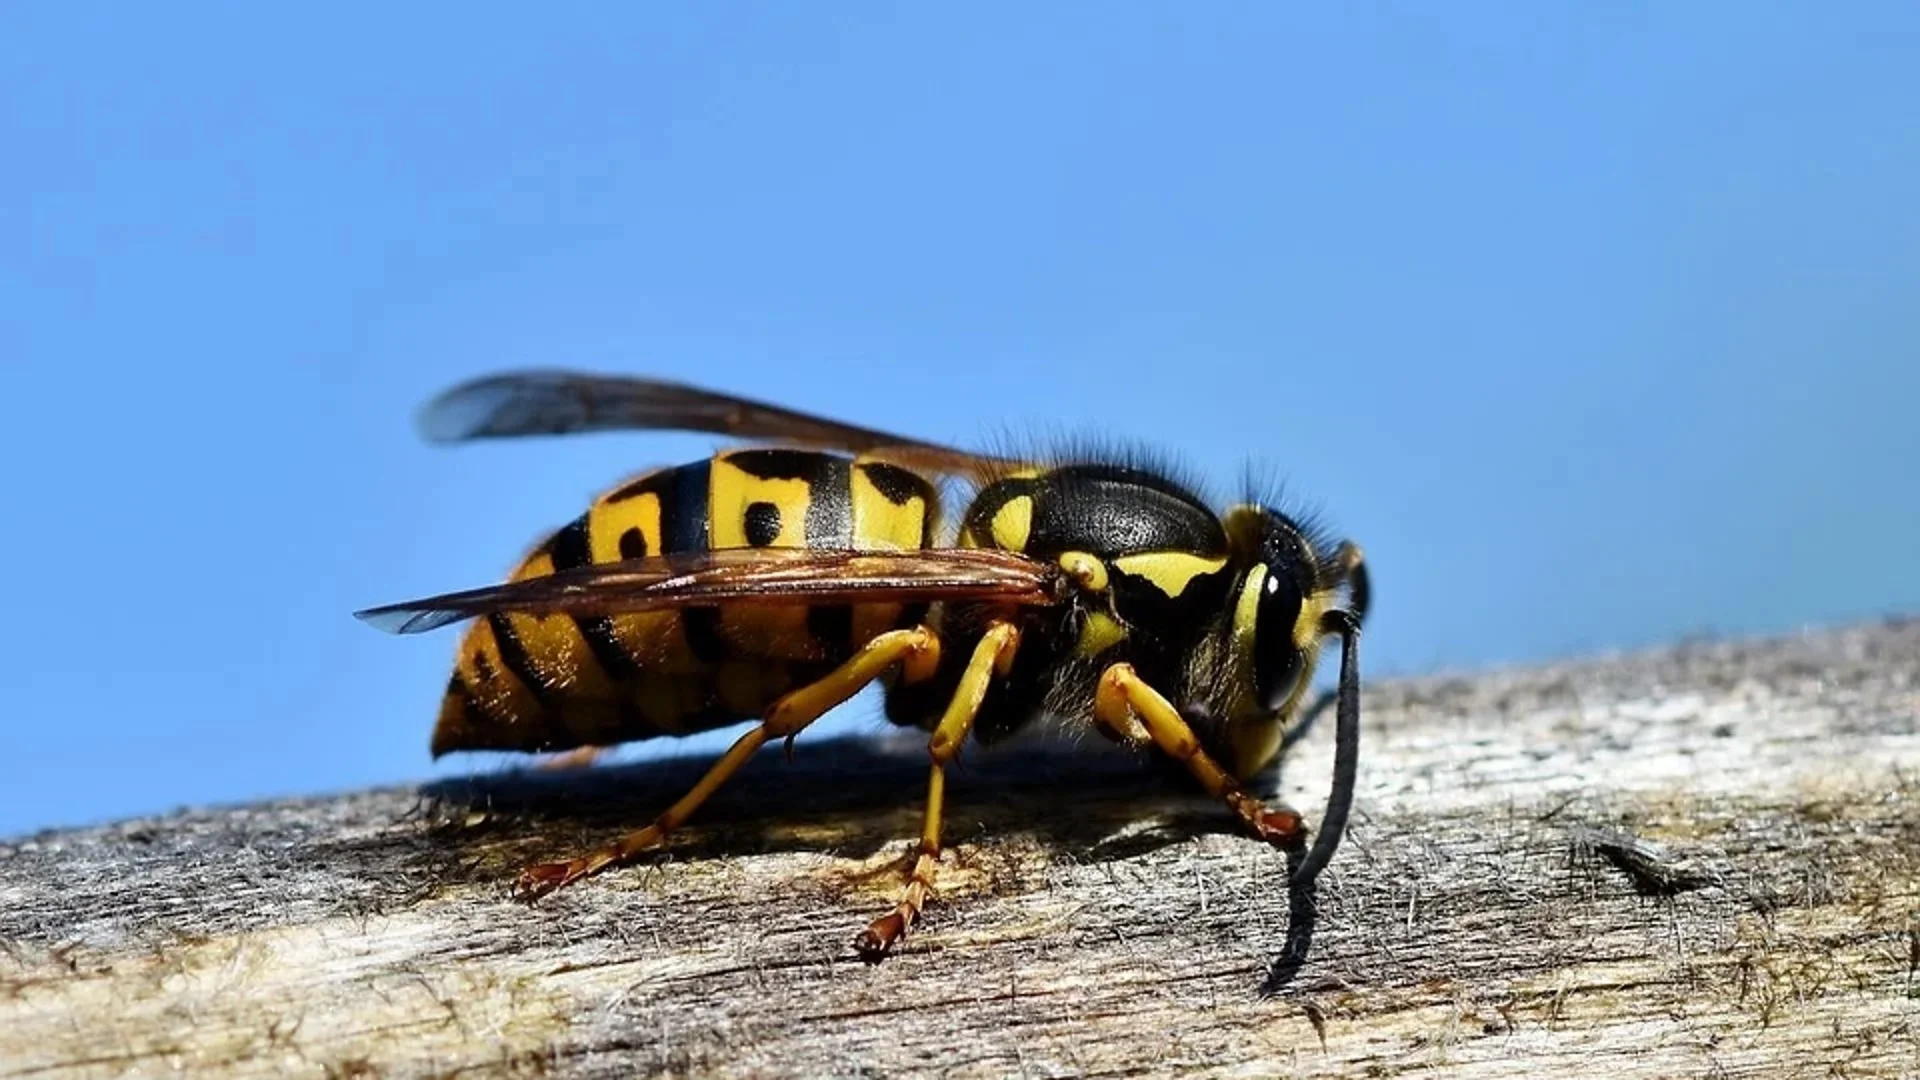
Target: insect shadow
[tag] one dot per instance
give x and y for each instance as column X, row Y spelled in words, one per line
column 849, row 796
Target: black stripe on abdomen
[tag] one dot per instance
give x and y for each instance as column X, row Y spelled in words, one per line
column 570, row 550
column 686, row 528
column 832, row 626
column 830, row 525
column 685, row 510
column 830, row 504
column 513, row 653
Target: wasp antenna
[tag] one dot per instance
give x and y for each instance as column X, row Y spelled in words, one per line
column 1346, row 750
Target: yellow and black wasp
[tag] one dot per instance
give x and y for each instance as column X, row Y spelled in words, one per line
column 772, row 583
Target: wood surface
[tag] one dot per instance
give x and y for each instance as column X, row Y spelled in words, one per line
column 1699, row 862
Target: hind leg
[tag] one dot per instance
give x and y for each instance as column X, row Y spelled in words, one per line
column 916, row 650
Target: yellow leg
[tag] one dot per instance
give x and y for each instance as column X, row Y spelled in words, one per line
column 916, row 650
column 1136, row 712
column 992, row 656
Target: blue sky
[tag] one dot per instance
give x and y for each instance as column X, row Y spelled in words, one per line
column 1595, row 325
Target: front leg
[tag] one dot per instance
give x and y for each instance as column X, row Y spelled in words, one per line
column 1136, row 713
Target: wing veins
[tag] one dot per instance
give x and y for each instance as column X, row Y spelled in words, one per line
column 769, row 576
column 555, row 402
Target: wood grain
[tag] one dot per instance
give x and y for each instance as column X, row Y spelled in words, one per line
column 1702, row 861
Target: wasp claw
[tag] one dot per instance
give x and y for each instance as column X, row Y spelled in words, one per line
column 875, row 940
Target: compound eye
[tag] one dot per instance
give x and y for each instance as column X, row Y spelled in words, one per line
column 1276, row 659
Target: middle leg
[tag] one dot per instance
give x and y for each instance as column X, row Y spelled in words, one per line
column 993, row 655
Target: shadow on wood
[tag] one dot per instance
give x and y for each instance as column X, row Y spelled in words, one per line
column 822, row 799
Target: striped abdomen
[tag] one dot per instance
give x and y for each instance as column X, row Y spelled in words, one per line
column 526, row 682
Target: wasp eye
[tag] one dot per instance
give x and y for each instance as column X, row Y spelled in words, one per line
column 1276, row 659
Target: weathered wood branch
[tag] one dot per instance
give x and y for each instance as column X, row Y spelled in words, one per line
column 1698, row 862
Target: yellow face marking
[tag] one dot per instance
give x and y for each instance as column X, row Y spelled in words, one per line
column 1255, row 733
column 1086, row 569
column 1306, row 628
column 1012, row 522
column 1100, row 633
column 1246, row 610
column 1169, row 571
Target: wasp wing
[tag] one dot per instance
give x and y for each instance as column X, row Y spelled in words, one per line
column 553, row 402
column 760, row 575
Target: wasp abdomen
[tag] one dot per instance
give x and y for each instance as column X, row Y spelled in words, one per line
column 527, row 682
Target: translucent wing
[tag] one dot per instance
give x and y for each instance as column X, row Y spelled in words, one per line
column 762, row 575
column 558, row 402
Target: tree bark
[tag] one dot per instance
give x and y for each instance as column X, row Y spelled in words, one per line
column 1700, row 861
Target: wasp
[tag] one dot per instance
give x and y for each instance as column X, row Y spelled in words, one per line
column 770, row 583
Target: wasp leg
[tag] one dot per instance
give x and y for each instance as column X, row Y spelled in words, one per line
column 993, row 655
column 917, row 651
column 1126, row 706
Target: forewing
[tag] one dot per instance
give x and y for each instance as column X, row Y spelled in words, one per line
column 559, row 402
column 762, row 575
